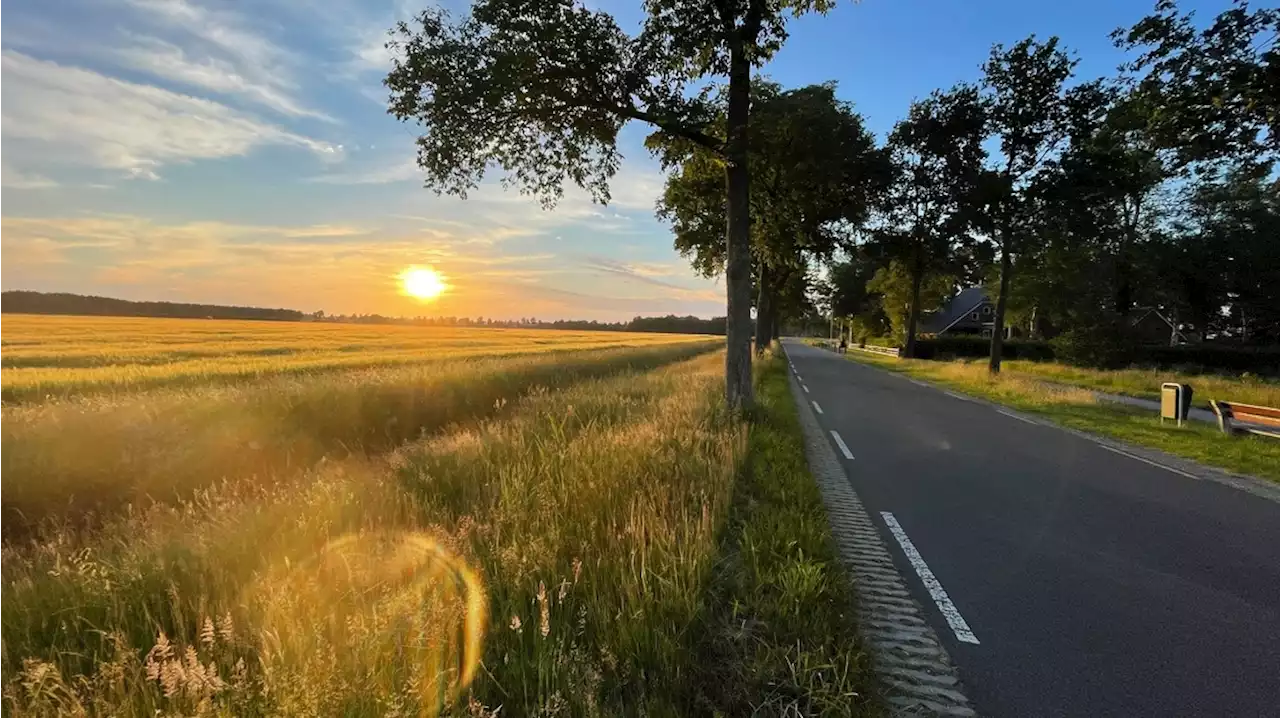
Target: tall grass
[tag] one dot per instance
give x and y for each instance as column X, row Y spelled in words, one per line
column 590, row 514
column 73, row 458
column 637, row 552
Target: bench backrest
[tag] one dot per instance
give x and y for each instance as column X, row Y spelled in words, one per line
column 1252, row 413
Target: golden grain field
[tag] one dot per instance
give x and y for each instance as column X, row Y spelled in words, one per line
column 239, row 518
column 54, row 356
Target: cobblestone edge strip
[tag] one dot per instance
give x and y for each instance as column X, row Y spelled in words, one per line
column 914, row 669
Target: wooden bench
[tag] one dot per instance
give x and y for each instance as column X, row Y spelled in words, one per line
column 1235, row 418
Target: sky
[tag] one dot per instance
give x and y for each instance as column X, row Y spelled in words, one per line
column 239, row 152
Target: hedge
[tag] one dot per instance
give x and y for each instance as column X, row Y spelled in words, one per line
column 962, row 347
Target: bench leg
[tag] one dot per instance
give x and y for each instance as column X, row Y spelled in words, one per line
column 1224, row 418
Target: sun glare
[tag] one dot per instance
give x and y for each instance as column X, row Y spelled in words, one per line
column 422, row 282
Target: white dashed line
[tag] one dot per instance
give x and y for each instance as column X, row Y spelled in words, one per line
column 939, row 594
column 844, row 448
column 1148, row 461
column 816, row 407
column 1012, row 415
column 957, row 396
column 805, row 387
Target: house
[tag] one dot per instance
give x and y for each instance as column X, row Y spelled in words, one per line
column 1152, row 327
column 971, row 312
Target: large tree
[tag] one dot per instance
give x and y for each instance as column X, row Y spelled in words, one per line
column 1026, row 101
column 541, row 88
column 924, row 217
column 815, row 172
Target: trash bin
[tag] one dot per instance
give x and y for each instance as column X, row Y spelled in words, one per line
column 1175, row 402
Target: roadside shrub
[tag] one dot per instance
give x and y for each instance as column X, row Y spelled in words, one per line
column 970, row 347
column 1104, row 346
column 1200, row 358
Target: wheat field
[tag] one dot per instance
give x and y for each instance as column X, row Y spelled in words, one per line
column 47, row 357
column 457, row 522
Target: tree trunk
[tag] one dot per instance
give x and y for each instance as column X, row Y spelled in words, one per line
column 764, row 310
column 1124, row 285
column 997, row 325
column 738, row 390
column 913, row 315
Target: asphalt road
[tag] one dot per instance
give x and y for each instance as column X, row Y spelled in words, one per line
column 1095, row 584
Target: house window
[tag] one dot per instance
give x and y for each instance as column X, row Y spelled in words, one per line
column 986, row 309
column 974, row 316
column 986, row 333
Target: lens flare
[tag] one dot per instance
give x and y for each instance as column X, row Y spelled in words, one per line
column 367, row 605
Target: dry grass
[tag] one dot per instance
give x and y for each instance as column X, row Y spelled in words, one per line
column 532, row 535
column 1145, row 383
column 48, row 357
column 161, row 445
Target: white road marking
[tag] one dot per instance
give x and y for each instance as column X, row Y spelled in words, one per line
column 798, row 377
column 1147, row 461
column 816, row 407
column 844, row 448
column 1012, row 415
column 931, row 583
column 957, row 396
column 802, row 386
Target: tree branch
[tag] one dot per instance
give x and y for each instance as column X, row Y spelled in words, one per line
column 698, row 137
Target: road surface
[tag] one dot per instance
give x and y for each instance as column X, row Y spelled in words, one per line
column 1094, row 584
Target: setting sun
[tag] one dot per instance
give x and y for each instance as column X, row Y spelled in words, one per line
column 422, row 282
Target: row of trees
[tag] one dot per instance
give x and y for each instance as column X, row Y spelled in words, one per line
column 1009, row 173
column 1151, row 188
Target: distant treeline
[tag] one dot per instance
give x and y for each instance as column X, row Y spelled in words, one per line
column 27, row 302
column 24, row 302
column 670, row 324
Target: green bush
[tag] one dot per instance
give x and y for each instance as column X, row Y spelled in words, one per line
column 972, row 347
column 1104, row 346
column 1198, row 358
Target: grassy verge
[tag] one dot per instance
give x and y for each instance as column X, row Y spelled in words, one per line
column 636, row 551
column 781, row 638
column 1145, row 383
column 1078, row 409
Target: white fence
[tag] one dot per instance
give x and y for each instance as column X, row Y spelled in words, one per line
column 894, row 352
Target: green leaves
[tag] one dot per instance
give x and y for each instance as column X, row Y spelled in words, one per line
column 1212, row 91
column 532, row 87
column 540, row 88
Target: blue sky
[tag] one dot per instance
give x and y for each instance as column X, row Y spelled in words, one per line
column 238, row 151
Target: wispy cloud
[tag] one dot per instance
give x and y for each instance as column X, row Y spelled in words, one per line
column 645, row 274
column 17, row 179
column 405, row 171
column 82, row 117
column 218, row 51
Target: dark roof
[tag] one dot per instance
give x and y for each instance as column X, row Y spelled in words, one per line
column 959, row 305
